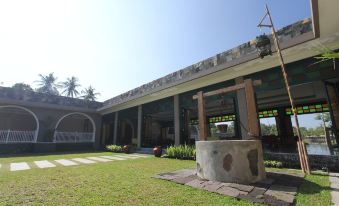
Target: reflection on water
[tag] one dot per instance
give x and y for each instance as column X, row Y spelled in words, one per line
column 319, row 149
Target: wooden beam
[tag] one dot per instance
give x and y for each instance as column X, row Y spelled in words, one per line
column 202, row 117
column 252, row 113
column 228, row 89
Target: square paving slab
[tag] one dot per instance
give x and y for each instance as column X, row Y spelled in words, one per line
column 276, row 190
column 44, row 164
column 19, row 166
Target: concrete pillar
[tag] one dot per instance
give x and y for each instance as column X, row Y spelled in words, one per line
column 176, row 120
column 116, row 116
column 139, row 125
column 242, row 110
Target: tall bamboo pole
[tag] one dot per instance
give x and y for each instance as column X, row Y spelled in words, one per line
column 304, row 161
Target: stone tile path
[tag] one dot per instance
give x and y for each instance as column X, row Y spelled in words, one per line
column 277, row 189
column 17, row 166
column 334, row 181
column 44, row 164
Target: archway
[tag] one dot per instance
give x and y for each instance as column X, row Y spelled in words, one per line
column 18, row 125
column 75, row 127
column 127, row 131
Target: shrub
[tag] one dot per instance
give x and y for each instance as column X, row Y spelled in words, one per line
column 114, row 148
column 181, row 152
column 272, row 163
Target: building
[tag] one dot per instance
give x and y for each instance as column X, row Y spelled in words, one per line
column 163, row 112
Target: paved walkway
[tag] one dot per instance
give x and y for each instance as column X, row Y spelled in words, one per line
column 334, row 181
column 18, row 166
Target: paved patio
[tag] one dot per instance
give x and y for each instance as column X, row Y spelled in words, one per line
column 334, row 180
column 277, row 189
column 42, row 164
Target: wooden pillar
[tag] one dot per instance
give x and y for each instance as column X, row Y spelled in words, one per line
column 139, row 126
column 176, row 120
column 115, row 127
column 242, row 121
column 252, row 113
column 202, row 117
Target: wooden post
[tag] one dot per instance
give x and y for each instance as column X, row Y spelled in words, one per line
column 252, row 113
column 202, row 117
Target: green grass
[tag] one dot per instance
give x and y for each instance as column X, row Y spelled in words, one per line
column 121, row 183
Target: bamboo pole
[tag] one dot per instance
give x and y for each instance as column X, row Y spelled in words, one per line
column 304, row 161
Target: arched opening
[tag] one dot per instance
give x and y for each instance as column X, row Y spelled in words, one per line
column 18, row 125
column 75, row 128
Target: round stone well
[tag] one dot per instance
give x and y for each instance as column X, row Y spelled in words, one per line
column 235, row 161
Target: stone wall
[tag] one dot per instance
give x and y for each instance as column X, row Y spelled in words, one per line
column 237, row 55
column 316, row 161
column 35, row 97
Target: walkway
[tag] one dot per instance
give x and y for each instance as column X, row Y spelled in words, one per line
column 42, row 164
column 334, row 181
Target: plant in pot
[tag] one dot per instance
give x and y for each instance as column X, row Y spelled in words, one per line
column 157, row 151
column 127, row 149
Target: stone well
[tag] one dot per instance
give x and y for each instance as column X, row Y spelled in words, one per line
column 236, row 161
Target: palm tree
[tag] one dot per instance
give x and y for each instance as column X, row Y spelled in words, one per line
column 47, row 84
column 70, row 87
column 89, row 94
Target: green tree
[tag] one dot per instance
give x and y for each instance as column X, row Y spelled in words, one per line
column 22, row 87
column 89, row 94
column 70, row 87
column 47, row 84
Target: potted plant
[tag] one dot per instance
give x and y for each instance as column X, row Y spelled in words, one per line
column 157, row 151
column 126, row 149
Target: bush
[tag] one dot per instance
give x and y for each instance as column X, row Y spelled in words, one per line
column 181, row 152
column 114, row 148
column 272, row 163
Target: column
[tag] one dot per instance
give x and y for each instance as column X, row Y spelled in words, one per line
column 139, row 125
column 115, row 127
column 176, row 120
column 242, row 110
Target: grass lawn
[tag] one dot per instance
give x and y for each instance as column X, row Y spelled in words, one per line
column 126, row 182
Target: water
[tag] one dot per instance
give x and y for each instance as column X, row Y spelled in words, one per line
column 319, row 149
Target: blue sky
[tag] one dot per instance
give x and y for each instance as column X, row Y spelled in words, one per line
column 118, row 45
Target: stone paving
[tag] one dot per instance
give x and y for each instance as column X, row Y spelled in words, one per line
column 277, row 189
column 42, row 164
column 334, row 181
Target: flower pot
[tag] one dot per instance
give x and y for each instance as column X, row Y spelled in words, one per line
column 157, row 151
column 126, row 149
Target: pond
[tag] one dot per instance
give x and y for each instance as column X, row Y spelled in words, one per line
column 319, row 149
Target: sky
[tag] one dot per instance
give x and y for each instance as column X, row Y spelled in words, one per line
column 117, row 45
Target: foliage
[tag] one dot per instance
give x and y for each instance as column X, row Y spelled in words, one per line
column 273, row 163
column 47, row 84
column 114, row 148
column 22, row 87
column 70, row 87
column 89, row 94
column 181, row 152
column 268, row 129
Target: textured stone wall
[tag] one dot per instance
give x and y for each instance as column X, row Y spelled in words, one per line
column 237, row 55
column 316, row 161
column 35, row 97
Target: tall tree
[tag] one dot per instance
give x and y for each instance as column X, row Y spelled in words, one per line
column 89, row 94
column 22, row 87
column 70, row 87
column 47, row 84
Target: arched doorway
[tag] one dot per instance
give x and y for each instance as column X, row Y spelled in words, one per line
column 18, row 125
column 74, row 127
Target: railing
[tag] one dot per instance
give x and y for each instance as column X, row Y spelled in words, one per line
column 9, row 136
column 73, row 137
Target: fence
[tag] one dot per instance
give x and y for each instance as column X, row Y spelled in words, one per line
column 73, row 137
column 9, row 136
